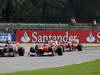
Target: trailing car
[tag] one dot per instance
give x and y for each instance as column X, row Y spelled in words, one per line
column 7, row 51
column 10, row 51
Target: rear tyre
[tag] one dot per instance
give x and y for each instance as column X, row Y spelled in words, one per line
column 21, row 51
column 60, row 51
column 79, row 47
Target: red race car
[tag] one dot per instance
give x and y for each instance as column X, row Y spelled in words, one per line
column 71, row 46
column 41, row 49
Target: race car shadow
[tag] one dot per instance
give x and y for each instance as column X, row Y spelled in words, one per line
column 41, row 55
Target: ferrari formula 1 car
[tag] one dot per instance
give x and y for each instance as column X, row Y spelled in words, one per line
column 11, row 51
column 41, row 49
column 71, row 46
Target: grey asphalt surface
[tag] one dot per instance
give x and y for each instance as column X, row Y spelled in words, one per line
column 14, row 64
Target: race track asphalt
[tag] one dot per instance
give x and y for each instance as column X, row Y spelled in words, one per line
column 21, row 63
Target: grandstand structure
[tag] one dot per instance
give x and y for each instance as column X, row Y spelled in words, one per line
column 12, row 27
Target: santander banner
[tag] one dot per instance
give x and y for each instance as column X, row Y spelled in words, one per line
column 39, row 36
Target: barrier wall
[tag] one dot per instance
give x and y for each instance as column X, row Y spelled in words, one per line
column 39, row 36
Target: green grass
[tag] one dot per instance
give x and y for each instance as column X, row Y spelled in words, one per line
column 87, row 68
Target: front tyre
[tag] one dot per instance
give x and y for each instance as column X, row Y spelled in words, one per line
column 32, row 50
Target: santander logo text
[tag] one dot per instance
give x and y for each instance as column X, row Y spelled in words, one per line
column 36, row 37
column 40, row 38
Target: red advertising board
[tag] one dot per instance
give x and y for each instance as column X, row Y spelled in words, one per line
column 39, row 36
